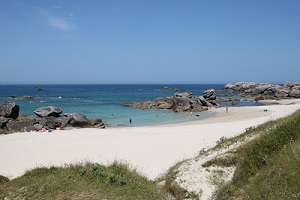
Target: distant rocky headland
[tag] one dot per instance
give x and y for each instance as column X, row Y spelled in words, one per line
column 263, row 91
column 185, row 101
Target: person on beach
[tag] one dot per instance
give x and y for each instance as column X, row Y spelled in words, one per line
column 226, row 109
column 130, row 121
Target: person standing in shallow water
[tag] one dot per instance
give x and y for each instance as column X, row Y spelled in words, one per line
column 130, row 121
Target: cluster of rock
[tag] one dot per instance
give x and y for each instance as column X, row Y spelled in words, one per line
column 46, row 117
column 21, row 97
column 262, row 91
column 166, row 88
column 180, row 102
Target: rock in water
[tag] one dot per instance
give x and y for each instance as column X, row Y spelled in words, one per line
column 186, row 102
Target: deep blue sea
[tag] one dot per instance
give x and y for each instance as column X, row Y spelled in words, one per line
column 102, row 101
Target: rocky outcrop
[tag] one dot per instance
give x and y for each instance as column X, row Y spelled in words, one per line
column 265, row 90
column 239, row 86
column 78, row 120
column 21, row 97
column 210, row 94
column 164, row 103
column 187, row 102
column 9, row 109
column 295, row 93
column 97, row 123
column 48, row 111
column 145, row 105
column 180, row 102
column 48, row 118
column 167, row 88
column 159, row 103
column 21, row 125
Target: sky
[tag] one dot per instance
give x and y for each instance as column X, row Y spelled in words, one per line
column 149, row 41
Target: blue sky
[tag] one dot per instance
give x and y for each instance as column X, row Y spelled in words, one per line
column 153, row 41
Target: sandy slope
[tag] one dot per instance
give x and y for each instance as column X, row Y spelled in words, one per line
column 152, row 150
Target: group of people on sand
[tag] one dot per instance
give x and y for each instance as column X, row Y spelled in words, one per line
column 42, row 130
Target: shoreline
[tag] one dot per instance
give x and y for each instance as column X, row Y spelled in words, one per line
column 152, row 150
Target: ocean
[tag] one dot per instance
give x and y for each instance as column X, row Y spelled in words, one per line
column 106, row 100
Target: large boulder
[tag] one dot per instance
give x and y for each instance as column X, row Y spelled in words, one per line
column 9, row 109
column 210, row 94
column 202, row 101
column 186, row 102
column 19, row 125
column 78, row 120
column 182, row 102
column 291, row 85
column 51, row 122
column 164, row 103
column 294, row 94
column 97, row 123
column 260, row 89
column 48, row 111
column 282, row 93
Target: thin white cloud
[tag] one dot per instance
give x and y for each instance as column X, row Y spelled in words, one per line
column 71, row 15
column 57, row 22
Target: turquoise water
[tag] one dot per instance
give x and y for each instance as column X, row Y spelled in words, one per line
column 103, row 101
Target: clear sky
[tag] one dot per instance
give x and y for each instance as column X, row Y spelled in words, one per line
column 149, row 41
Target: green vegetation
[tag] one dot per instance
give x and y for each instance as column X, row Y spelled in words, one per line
column 89, row 181
column 268, row 167
column 171, row 186
column 3, row 179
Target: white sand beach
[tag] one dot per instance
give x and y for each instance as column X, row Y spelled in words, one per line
column 152, row 150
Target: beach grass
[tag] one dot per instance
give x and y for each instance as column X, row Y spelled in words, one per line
column 170, row 186
column 268, row 166
column 82, row 181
